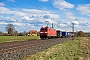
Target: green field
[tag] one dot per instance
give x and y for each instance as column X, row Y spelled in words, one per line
column 70, row 50
column 16, row 38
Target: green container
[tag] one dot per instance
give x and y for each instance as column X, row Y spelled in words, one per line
column 59, row 33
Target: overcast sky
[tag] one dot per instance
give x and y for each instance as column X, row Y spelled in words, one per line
column 28, row 15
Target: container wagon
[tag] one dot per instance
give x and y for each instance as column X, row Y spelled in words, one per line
column 59, row 33
column 68, row 34
column 64, row 34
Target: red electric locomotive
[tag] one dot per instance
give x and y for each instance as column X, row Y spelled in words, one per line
column 46, row 32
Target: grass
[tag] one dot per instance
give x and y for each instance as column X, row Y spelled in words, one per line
column 85, row 44
column 89, row 39
column 16, row 38
column 69, row 50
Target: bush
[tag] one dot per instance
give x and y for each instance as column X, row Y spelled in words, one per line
column 82, row 34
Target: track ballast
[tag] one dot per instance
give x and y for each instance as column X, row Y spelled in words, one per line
column 17, row 50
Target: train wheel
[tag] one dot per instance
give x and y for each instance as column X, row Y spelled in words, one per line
column 42, row 38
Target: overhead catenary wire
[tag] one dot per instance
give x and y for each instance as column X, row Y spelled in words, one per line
column 8, row 4
column 39, row 8
column 14, row 7
column 36, row 6
column 21, row 10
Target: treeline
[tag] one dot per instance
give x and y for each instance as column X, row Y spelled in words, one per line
column 14, row 33
column 81, row 34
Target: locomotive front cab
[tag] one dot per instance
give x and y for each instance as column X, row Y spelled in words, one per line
column 43, row 32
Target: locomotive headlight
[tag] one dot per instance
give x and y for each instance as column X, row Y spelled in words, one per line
column 45, row 32
column 41, row 32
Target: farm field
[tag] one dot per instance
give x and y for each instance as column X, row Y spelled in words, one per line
column 70, row 50
column 16, row 38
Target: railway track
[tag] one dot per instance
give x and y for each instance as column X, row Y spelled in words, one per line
column 24, row 48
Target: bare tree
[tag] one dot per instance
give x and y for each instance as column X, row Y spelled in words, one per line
column 1, row 33
column 10, row 29
column 15, row 33
column 24, row 33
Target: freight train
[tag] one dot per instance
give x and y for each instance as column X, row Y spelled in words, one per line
column 47, row 32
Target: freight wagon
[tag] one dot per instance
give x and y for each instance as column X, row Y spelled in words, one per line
column 59, row 33
column 68, row 34
column 46, row 32
column 64, row 34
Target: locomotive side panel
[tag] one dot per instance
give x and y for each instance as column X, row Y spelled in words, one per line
column 51, row 33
